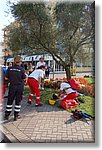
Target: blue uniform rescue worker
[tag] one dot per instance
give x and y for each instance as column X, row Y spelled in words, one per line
column 16, row 76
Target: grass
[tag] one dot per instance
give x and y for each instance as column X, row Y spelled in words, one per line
column 88, row 106
column 91, row 81
column 46, row 95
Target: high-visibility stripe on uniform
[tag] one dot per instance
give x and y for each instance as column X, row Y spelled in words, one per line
column 29, row 100
column 17, row 106
column 8, row 105
column 37, row 97
column 17, row 110
column 9, row 109
column 31, row 94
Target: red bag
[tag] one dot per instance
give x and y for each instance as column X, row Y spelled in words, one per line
column 68, row 104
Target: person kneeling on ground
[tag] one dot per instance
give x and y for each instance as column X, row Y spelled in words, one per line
column 69, row 88
column 34, row 80
column 68, row 92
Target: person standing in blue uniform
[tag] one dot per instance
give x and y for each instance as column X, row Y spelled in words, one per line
column 16, row 76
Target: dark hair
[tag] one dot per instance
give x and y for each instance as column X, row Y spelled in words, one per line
column 58, row 83
column 17, row 59
column 41, row 57
column 41, row 67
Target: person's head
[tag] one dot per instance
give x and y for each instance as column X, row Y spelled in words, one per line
column 5, row 63
column 58, row 84
column 42, row 67
column 10, row 64
column 18, row 60
column 41, row 59
column 30, row 64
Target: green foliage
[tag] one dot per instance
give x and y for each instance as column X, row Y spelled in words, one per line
column 17, row 38
column 54, row 26
column 60, row 29
column 33, row 24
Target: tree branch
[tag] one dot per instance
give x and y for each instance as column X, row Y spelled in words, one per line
column 73, row 33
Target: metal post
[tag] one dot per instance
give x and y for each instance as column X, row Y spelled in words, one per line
column 53, row 68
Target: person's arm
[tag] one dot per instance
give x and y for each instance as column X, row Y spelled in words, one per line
column 24, row 75
column 39, row 80
column 7, row 75
column 37, row 65
column 61, row 92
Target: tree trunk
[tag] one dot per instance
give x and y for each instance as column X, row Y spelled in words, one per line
column 68, row 75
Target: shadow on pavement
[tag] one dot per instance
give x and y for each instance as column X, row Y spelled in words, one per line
column 72, row 120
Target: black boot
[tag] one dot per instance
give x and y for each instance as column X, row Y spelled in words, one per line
column 29, row 102
column 16, row 116
column 6, row 117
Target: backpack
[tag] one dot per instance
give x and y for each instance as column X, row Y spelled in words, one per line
column 77, row 114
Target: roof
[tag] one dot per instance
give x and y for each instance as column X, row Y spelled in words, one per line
column 32, row 58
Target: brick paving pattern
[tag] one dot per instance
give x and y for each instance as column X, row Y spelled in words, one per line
column 47, row 124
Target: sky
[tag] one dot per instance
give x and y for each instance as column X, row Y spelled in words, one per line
column 5, row 19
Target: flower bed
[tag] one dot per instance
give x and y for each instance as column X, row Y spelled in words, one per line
column 86, row 88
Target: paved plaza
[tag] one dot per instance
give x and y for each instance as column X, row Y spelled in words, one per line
column 47, row 124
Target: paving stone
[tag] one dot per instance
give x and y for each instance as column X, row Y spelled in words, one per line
column 47, row 125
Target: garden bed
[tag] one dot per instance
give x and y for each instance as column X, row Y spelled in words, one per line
column 87, row 107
